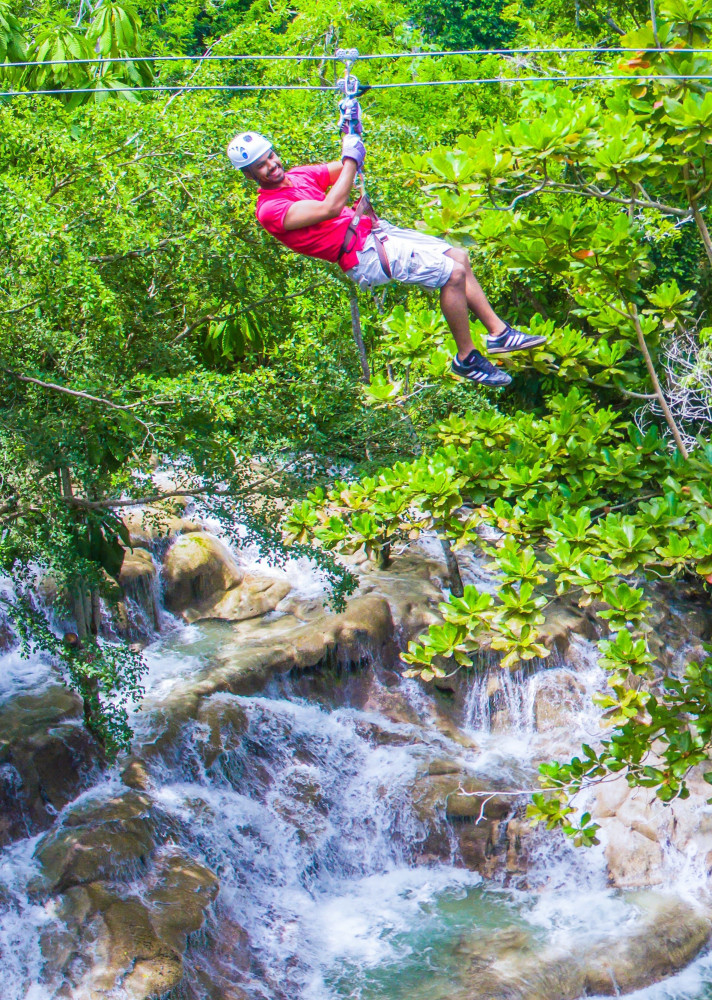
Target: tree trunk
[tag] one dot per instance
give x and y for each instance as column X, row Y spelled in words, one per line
column 79, row 612
column 86, row 606
column 358, row 335
column 456, row 586
column 384, row 556
column 95, row 601
column 697, row 215
column 654, row 23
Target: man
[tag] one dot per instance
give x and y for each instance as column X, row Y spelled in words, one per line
column 306, row 209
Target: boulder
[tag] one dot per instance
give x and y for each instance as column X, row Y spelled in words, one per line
column 198, row 568
column 563, row 620
column 253, row 597
column 135, row 775
column 100, row 838
column 137, row 567
column 446, row 805
column 46, row 759
column 413, row 586
column 514, row 966
column 178, row 889
column 159, row 521
column 638, row 829
column 634, row 859
column 364, row 630
column 202, row 581
column 224, row 722
column 132, row 939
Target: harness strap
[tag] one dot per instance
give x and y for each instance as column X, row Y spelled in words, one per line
column 380, row 238
column 363, row 208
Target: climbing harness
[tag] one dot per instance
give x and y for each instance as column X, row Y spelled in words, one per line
column 350, row 121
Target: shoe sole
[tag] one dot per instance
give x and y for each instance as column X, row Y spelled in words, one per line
column 537, row 342
column 487, row 385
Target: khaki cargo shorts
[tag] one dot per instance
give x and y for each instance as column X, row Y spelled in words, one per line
column 415, row 259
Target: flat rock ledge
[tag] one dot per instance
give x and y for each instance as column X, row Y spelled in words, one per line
column 508, row 965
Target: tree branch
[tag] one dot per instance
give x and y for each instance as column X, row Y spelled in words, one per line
column 656, row 385
column 212, row 318
column 65, row 182
column 592, row 192
column 168, row 494
column 113, row 258
column 77, row 394
column 619, row 388
column 697, row 214
column 27, row 305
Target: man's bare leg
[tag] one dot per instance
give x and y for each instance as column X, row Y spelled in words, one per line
column 477, row 301
column 453, row 302
column 459, row 296
column 469, row 363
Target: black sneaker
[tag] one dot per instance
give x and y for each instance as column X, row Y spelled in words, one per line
column 510, row 340
column 480, row 370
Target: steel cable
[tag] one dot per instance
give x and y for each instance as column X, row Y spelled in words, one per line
column 638, row 78
column 440, row 53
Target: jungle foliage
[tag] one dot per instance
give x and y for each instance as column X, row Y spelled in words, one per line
column 145, row 318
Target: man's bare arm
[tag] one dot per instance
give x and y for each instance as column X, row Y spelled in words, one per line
column 334, row 167
column 310, row 212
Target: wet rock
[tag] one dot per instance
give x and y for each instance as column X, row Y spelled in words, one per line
column 137, row 567
column 159, row 522
column 137, row 581
column 447, row 806
column 441, row 765
column 132, row 939
column 203, row 581
column 7, row 636
column 104, row 838
column 178, row 891
column 413, row 585
column 638, row 829
column 301, row 801
column 197, row 568
column 254, row 596
column 135, row 775
column 245, row 666
column 46, row 759
column 27, row 714
column 634, row 827
column 559, row 697
column 391, row 704
column 562, row 622
column 383, row 735
column 223, row 723
column 634, row 859
column 669, row 934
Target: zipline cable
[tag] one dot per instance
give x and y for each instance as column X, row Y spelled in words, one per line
column 249, row 57
column 638, row 78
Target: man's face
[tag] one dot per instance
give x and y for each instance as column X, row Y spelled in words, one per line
column 268, row 171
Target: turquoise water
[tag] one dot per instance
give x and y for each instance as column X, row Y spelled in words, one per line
column 402, row 936
column 430, row 959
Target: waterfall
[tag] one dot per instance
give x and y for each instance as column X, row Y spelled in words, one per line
column 334, row 811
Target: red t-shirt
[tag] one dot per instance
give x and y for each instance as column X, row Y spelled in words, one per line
column 323, row 240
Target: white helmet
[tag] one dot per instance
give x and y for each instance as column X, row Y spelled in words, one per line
column 247, row 148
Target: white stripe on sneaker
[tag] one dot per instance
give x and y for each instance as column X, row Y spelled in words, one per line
column 513, row 340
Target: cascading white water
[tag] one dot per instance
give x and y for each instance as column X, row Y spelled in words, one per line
column 309, row 820
column 302, row 814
